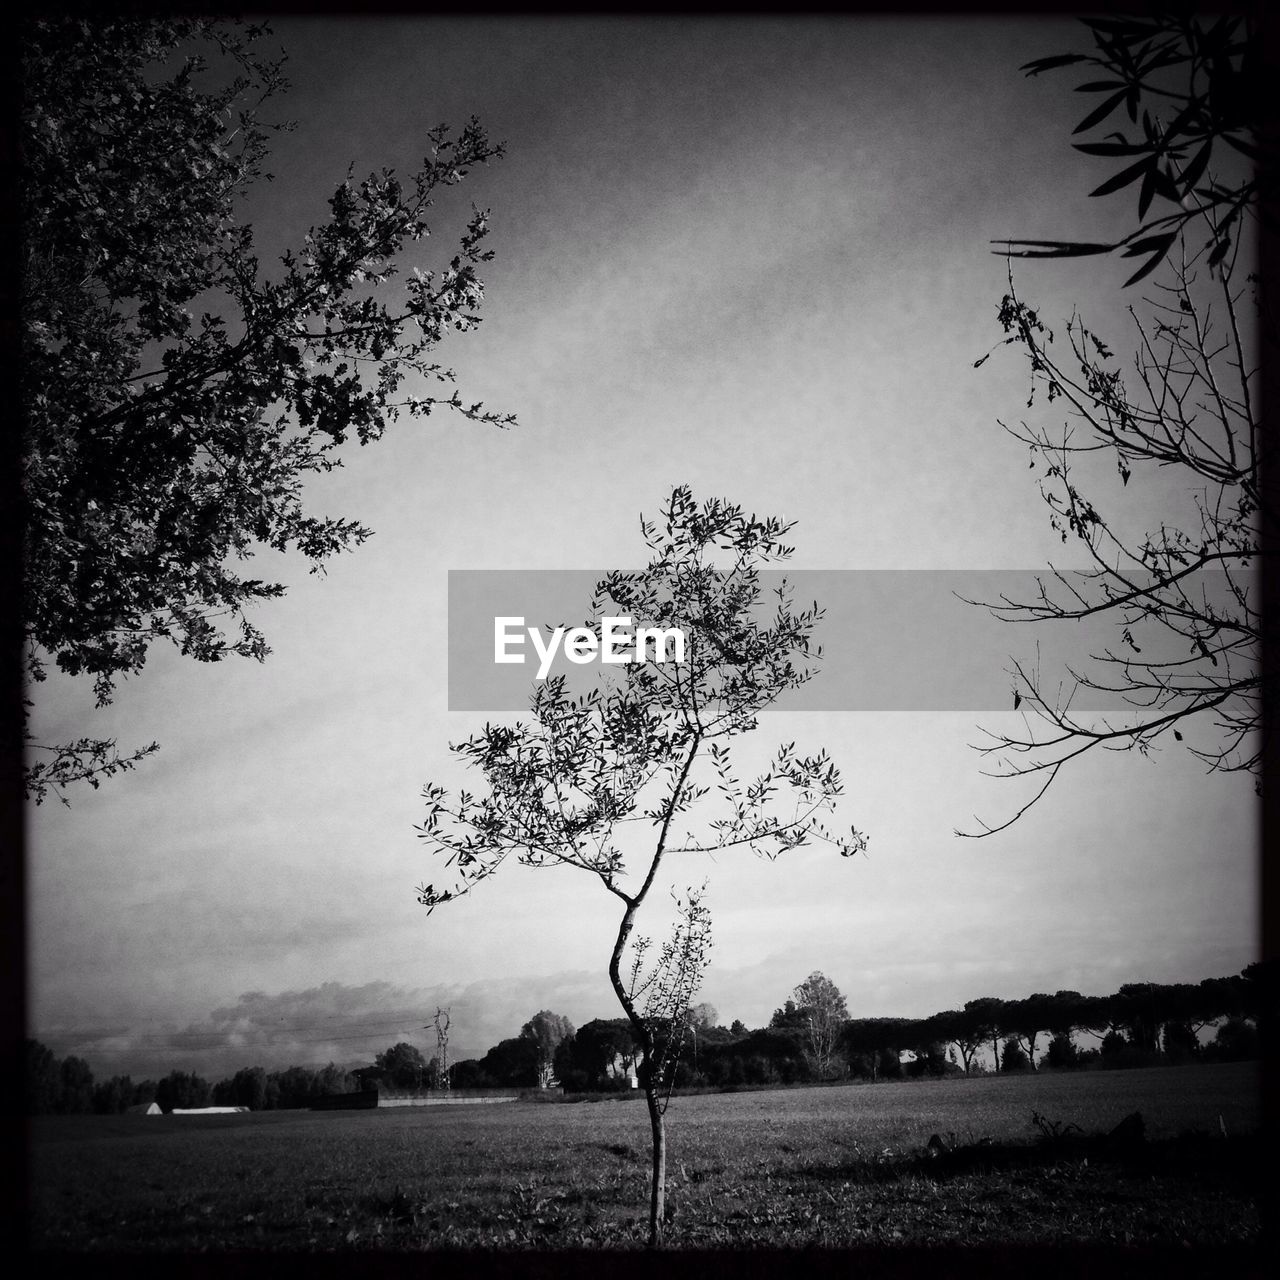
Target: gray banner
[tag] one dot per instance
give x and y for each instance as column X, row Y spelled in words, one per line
column 893, row 640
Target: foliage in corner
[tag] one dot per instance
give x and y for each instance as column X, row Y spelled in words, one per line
column 1183, row 596
column 177, row 393
column 1200, row 84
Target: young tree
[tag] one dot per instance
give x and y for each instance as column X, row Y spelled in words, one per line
column 611, row 782
column 1181, row 596
column 176, row 393
column 823, row 1013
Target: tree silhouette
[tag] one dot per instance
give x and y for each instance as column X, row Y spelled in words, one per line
column 1181, row 596
column 586, row 777
column 176, row 393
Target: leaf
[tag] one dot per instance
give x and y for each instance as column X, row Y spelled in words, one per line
column 1037, row 65
column 1124, row 177
column 1111, row 148
column 1146, row 269
column 1192, row 173
column 1147, row 192
column 1150, row 243
column 1052, row 248
column 1100, row 113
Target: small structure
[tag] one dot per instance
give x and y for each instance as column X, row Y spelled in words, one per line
column 144, row 1109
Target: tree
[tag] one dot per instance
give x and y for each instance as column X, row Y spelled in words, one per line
column 701, row 1021
column 1181, row 597
column 626, row 764
column 1013, row 1057
column 957, row 1028
column 823, row 1012
column 703, row 1016
column 596, row 1052
column 1236, row 1040
column 985, row 1019
column 184, row 1090
column 249, row 1088
column 43, row 1079
column 1178, row 1042
column 1025, row 1019
column 332, row 1079
column 789, row 1017
column 110, row 1097
column 402, row 1066
column 144, row 1092
column 176, row 394
column 547, row 1030
column 1062, row 1052
column 77, row 1086
column 512, row 1063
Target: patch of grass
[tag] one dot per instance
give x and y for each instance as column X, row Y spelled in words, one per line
column 829, row 1166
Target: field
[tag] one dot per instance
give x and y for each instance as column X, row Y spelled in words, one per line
column 846, row 1166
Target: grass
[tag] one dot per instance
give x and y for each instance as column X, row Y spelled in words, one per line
column 801, row 1167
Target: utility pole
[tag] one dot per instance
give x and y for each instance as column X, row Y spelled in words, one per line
column 441, row 1023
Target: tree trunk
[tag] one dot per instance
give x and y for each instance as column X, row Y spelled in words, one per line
column 658, row 1190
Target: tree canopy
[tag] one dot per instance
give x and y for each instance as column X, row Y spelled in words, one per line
column 177, row 392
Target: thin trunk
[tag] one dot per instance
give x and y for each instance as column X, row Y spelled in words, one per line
column 658, row 1191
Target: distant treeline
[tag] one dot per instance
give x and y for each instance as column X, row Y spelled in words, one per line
column 64, row 1086
column 1141, row 1024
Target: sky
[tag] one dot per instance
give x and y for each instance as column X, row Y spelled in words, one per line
column 747, row 255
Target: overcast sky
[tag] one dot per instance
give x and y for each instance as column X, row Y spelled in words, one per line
column 749, row 256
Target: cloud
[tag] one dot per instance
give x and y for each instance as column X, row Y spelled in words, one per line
column 332, row 1022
